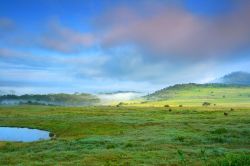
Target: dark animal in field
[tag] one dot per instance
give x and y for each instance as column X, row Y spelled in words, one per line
column 180, row 105
column 231, row 109
column 51, row 134
column 166, row 105
column 170, row 110
column 225, row 113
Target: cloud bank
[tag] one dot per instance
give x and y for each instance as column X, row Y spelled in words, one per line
column 175, row 31
column 142, row 45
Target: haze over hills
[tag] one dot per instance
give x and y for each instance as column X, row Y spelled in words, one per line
column 239, row 77
column 62, row 99
column 236, row 81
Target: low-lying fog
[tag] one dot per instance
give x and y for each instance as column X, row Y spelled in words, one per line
column 107, row 98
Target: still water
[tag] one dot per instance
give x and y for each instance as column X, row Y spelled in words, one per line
column 17, row 134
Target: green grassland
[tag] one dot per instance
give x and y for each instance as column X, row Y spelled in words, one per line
column 142, row 132
column 129, row 136
column 196, row 94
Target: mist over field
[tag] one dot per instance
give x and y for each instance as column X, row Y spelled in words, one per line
column 116, row 97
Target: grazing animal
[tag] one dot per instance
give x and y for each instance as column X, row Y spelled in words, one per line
column 225, row 113
column 170, row 110
column 51, row 134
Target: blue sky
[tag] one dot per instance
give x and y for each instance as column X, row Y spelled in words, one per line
column 51, row 46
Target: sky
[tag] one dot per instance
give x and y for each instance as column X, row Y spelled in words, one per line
column 65, row 46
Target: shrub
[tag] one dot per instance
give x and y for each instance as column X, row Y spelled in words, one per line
column 180, row 105
column 206, row 104
column 166, row 105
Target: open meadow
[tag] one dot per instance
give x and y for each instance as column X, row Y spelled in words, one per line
column 109, row 135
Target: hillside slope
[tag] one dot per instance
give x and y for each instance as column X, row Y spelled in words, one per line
column 197, row 94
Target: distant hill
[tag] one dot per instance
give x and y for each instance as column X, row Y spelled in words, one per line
column 196, row 94
column 239, row 78
column 61, row 99
column 233, row 80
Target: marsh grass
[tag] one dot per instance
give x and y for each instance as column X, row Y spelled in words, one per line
column 129, row 136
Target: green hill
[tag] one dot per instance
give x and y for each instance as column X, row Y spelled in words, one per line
column 196, row 94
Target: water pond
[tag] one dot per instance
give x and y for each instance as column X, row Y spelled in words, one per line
column 16, row 134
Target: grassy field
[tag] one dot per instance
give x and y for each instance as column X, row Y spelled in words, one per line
column 194, row 95
column 130, row 135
